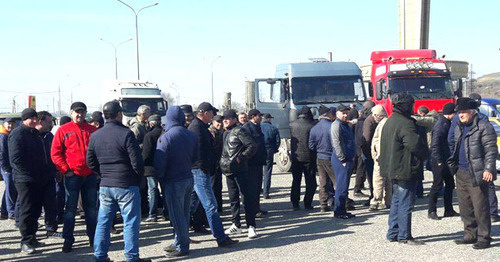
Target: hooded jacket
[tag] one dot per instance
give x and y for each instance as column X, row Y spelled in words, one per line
column 114, row 154
column 320, row 140
column 69, row 148
column 176, row 150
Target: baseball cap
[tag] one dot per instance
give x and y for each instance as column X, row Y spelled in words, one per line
column 78, row 106
column 253, row 112
column 205, row 106
column 28, row 113
column 218, row 118
column 268, row 116
column 230, row 114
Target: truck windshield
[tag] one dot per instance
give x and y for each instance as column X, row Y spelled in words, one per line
column 131, row 105
column 140, row 91
column 328, row 89
column 423, row 87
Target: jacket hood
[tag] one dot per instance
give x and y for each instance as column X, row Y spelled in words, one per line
column 175, row 117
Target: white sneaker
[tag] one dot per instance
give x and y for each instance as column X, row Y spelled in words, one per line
column 233, row 230
column 252, row 233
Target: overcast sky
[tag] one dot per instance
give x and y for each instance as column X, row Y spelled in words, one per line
column 47, row 44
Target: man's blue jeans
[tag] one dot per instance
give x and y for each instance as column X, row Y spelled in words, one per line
column 88, row 188
column 205, row 193
column 403, row 201
column 10, row 194
column 152, row 195
column 178, row 198
column 342, row 179
column 128, row 201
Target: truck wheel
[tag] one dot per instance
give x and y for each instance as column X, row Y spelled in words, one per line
column 283, row 161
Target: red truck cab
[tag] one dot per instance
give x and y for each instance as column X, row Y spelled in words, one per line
column 417, row 72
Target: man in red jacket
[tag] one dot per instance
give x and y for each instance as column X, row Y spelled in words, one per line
column 68, row 152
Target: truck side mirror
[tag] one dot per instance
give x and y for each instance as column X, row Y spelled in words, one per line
column 379, row 90
column 370, row 89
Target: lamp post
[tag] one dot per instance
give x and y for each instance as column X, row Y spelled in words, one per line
column 116, row 47
column 212, row 69
column 137, row 31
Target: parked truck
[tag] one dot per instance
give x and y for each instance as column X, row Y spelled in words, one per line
column 303, row 84
column 418, row 72
column 132, row 94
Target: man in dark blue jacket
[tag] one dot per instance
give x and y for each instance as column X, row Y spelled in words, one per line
column 148, row 153
column 272, row 141
column 440, row 152
column 10, row 194
column 257, row 161
column 176, row 152
column 114, row 155
column 320, row 142
column 27, row 158
column 48, row 185
column 342, row 160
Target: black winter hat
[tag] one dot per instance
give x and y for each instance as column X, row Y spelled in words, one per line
column 449, row 109
column 402, row 98
column 465, row 103
column 323, row 110
column 187, row 109
column 28, row 113
column 476, row 97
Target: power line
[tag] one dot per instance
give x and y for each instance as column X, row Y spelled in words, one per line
column 35, row 93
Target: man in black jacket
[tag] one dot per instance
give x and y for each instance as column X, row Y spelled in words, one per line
column 148, row 155
column 28, row 160
column 239, row 146
column 203, row 171
column 440, row 152
column 473, row 161
column 303, row 159
column 364, row 169
column 402, row 152
column 48, row 185
column 114, row 155
column 257, row 162
column 217, row 131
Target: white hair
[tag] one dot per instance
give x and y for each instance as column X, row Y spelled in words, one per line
column 142, row 109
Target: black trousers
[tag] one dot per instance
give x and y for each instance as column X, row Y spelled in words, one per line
column 309, row 171
column 29, row 196
column 217, row 188
column 326, row 174
column 244, row 184
column 49, row 204
column 360, row 174
column 256, row 173
column 441, row 174
column 474, row 207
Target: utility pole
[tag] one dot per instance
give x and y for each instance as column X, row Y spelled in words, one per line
column 59, row 103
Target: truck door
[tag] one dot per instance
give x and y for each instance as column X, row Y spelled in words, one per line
column 271, row 96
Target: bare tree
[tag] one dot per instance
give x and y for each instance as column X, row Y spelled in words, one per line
column 169, row 98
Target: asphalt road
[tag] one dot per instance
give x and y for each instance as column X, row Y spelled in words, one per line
column 286, row 235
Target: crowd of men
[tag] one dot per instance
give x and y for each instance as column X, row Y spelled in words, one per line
column 177, row 167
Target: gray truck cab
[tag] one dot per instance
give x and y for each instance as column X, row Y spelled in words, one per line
column 303, row 84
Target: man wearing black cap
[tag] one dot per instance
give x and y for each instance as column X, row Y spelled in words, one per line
column 495, row 217
column 97, row 120
column 440, row 152
column 303, row 159
column 239, row 146
column 203, row 171
column 257, row 161
column 402, row 152
column 342, row 160
column 10, row 194
column 188, row 113
column 68, row 152
column 148, row 153
column 27, row 158
column 473, row 161
column 321, row 143
column 217, row 131
column 272, row 140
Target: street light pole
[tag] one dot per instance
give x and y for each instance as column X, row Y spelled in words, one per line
column 137, row 31
column 115, row 47
column 212, row 69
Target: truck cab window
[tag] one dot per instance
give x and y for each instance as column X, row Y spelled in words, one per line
column 271, row 92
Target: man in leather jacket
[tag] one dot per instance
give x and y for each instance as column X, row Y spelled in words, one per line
column 238, row 147
column 473, row 161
